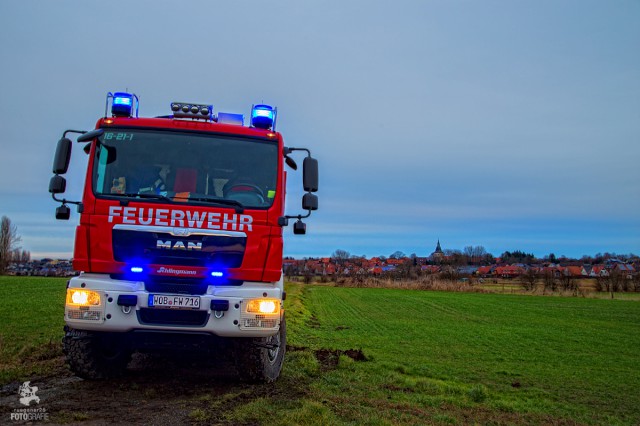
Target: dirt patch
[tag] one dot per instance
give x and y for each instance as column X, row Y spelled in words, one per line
column 355, row 354
column 153, row 390
column 329, row 358
column 313, row 322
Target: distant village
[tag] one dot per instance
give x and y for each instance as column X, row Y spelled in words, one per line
column 43, row 268
column 473, row 262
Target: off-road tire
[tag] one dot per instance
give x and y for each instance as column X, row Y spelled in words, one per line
column 93, row 355
column 261, row 359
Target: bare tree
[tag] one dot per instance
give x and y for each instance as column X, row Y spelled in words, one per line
column 567, row 281
column 9, row 240
column 549, row 280
column 613, row 282
column 475, row 254
column 529, row 279
column 340, row 255
column 20, row 256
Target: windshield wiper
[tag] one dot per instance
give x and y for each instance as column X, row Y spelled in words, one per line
column 220, row 201
column 153, row 196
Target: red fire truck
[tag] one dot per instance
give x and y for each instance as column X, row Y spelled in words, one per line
column 179, row 241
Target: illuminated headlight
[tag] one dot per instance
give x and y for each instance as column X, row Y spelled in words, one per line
column 261, row 314
column 78, row 297
column 263, row 306
column 84, row 305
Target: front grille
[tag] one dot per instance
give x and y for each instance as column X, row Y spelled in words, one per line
column 176, row 317
column 181, row 340
column 195, row 250
column 176, row 285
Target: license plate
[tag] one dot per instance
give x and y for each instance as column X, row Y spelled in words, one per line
column 177, row 302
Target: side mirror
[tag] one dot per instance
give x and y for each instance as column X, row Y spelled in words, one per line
column 290, row 162
column 57, row 185
column 62, row 157
column 299, row 228
column 63, row 212
column 310, row 201
column 310, row 174
column 89, row 136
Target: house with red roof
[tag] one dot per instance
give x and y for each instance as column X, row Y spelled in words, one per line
column 572, row 271
column 484, row 271
column 509, row 271
column 599, row 271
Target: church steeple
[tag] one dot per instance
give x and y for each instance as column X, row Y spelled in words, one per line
column 438, row 254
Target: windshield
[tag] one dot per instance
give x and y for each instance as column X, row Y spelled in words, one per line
column 186, row 167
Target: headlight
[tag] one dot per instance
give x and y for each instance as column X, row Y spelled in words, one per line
column 264, row 306
column 76, row 297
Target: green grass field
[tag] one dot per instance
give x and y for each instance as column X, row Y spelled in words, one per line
column 546, row 358
column 31, row 321
column 431, row 357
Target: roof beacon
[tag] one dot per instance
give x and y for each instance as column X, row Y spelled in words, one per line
column 122, row 104
column 263, row 117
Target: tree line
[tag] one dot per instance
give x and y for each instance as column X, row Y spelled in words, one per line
column 478, row 256
column 10, row 250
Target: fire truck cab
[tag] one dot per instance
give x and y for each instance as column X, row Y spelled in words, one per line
column 179, row 241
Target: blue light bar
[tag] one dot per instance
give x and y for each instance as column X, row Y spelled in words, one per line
column 217, row 274
column 122, row 104
column 230, row 118
column 263, row 116
column 136, row 269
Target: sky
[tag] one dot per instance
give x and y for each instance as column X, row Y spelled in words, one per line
column 514, row 125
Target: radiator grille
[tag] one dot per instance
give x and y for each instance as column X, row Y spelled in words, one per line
column 175, row 317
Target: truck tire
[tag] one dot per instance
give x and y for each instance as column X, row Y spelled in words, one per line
column 95, row 355
column 261, row 359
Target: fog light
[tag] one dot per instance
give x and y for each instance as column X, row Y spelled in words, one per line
column 74, row 314
column 264, row 306
column 77, row 297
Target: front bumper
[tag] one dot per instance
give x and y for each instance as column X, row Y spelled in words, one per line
column 124, row 307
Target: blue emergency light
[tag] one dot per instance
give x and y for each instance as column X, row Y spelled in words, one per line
column 122, row 104
column 217, row 274
column 136, row 269
column 263, row 116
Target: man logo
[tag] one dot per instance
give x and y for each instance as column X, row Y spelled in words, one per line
column 181, row 232
column 178, row 245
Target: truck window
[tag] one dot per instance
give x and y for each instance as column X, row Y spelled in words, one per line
column 186, row 167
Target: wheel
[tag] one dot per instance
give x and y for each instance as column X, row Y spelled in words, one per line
column 93, row 355
column 261, row 359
